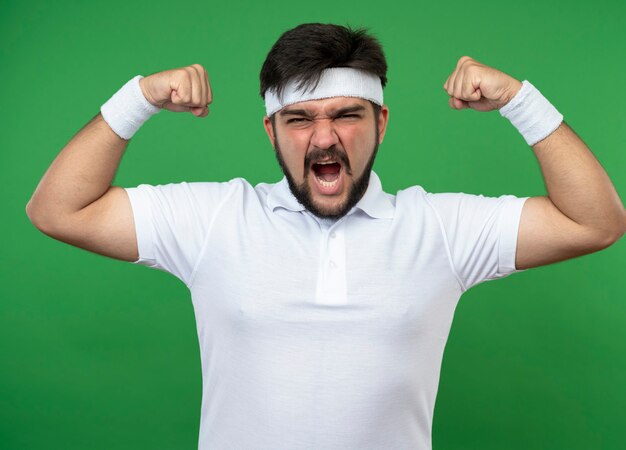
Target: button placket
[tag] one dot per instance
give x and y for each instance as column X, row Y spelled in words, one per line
column 331, row 286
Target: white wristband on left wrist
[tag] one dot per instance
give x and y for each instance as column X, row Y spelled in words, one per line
column 532, row 114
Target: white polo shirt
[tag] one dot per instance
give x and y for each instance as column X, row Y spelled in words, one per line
column 319, row 334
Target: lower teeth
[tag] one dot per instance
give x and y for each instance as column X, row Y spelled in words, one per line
column 327, row 183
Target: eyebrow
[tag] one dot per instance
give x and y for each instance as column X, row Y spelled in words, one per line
column 339, row 112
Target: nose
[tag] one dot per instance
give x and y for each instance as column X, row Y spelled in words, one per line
column 324, row 135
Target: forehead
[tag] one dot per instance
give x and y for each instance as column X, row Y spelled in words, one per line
column 326, row 105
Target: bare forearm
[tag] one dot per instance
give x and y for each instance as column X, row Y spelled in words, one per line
column 80, row 174
column 577, row 184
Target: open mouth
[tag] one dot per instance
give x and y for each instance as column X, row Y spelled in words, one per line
column 328, row 176
column 327, row 172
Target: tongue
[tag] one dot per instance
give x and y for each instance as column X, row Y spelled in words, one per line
column 327, row 172
column 324, row 169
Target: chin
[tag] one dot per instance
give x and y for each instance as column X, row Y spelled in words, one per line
column 330, row 209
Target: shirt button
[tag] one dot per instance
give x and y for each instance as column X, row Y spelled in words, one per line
column 332, row 265
column 333, row 235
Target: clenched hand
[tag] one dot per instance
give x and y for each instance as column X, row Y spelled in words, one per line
column 479, row 87
column 185, row 89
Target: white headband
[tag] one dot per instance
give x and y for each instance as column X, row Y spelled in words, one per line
column 334, row 82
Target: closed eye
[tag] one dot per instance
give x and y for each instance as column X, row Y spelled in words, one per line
column 301, row 120
column 297, row 120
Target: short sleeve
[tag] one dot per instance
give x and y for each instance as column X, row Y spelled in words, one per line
column 481, row 233
column 172, row 221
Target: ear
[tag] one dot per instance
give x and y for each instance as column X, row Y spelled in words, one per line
column 383, row 118
column 267, row 124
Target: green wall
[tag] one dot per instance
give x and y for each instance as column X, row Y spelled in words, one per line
column 100, row 354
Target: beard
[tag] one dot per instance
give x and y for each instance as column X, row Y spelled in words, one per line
column 302, row 192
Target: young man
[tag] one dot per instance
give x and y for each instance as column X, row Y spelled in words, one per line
column 323, row 304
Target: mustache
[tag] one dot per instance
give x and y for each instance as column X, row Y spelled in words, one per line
column 323, row 154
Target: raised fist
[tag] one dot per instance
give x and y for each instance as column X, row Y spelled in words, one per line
column 179, row 90
column 479, row 87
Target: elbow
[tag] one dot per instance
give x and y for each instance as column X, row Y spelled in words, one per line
column 36, row 218
column 609, row 235
column 621, row 228
column 614, row 235
column 29, row 212
column 620, row 232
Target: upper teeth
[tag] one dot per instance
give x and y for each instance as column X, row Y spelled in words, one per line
column 326, row 162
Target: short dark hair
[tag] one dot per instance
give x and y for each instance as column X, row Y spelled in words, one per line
column 303, row 52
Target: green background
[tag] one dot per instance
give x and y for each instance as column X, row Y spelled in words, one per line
column 100, row 354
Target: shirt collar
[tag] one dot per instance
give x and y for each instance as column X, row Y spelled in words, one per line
column 374, row 202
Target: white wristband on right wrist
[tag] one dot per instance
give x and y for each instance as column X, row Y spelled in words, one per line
column 127, row 110
column 532, row 114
